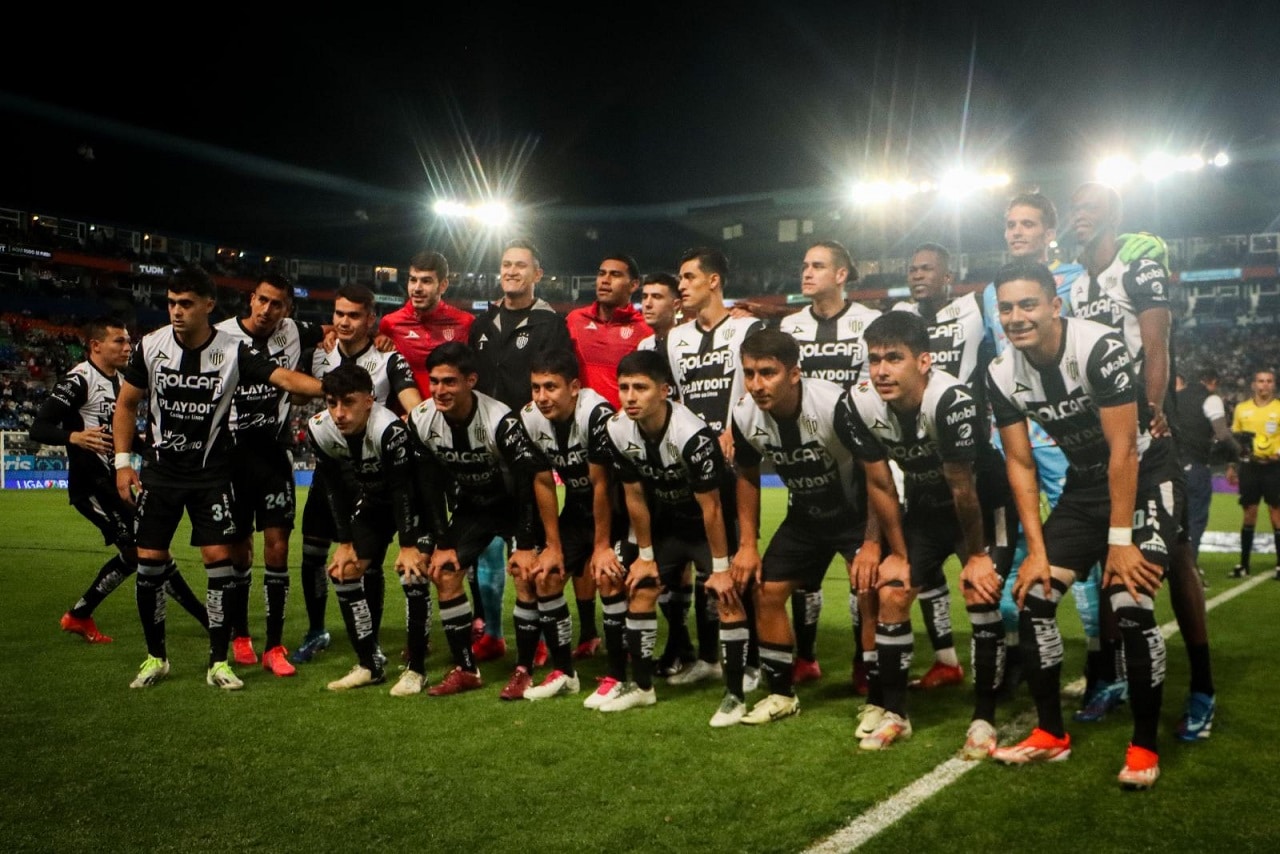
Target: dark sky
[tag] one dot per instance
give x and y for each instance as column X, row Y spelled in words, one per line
column 319, row 133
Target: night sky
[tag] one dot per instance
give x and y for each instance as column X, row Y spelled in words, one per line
column 321, row 134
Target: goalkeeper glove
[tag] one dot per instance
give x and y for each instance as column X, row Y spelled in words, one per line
column 1144, row 244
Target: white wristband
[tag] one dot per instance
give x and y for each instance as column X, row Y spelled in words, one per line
column 720, row 564
column 646, row 552
column 124, row 460
column 1119, row 536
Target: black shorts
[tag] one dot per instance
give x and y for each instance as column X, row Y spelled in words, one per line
column 373, row 527
column 933, row 535
column 264, row 489
column 160, row 510
column 673, row 554
column 473, row 531
column 1258, row 483
column 800, row 554
column 317, row 521
column 1075, row 534
column 578, row 542
column 109, row 514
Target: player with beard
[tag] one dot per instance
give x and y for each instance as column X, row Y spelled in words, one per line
column 425, row 321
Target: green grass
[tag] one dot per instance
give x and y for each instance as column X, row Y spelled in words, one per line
column 89, row 764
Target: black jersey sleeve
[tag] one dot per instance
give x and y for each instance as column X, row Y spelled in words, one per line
column 853, row 432
column 432, row 480
column 59, row 410
column 1003, row 412
column 254, row 367
column 959, row 425
column 1110, row 371
column 599, row 448
column 135, row 373
column 1147, row 284
column 310, row 334
column 398, row 468
column 399, row 374
column 704, row 461
column 341, row 507
column 743, row 451
column 525, row 461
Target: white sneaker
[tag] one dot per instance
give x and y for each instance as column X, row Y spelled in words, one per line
column 557, row 684
column 358, row 677
column 892, row 727
column 750, row 679
column 630, row 697
column 609, row 688
column 222, row 676
column 411, row 682
column 151, row 672
column 730, row 713
column 699, row 671
column 979, row 741
column 771, row 708
column 868, row 720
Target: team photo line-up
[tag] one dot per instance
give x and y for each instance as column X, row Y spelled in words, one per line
column 618, row 452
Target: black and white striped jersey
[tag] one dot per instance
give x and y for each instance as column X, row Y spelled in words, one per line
column 260, row 411
column 815, row 461
column 380, row 460
column 390, row 372
column 948, row 428
column 955, row 337
column 189, row 401
column 706, row 367
column 831, row 348
column 572, row 445
column 684, row 459
column 1094, row 370
column 84, row 398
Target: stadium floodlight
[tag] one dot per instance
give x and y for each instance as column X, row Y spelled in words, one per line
column 1220, row 159
column 1116, row 170
column 491, row 213
column 449, row 208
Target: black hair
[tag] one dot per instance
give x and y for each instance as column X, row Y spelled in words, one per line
column 559, row 362
column 898, row 327
column 1031, row 271
column 648, row 363
column 454, row 354
column 347, row 378
column 771, row 343
column 192, row 279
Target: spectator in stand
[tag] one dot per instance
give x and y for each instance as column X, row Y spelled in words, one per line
column 602, row 333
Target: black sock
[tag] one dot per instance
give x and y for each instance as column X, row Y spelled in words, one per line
column 556, row 626
column 855, row 618
column 236, row 601
column 275, row 593
column 642, row 637
column 707, row 620
column 177, row 588
column 894, row 646
column 528, row 632
column 987, row 657
column 806, row 607
column 734, row 640
column 359, row 622
column 477, row 601
column 875, row 693
column 455, row 616
column 1246, row 544
column 375, row 590
column 614, row 618
column 586, row 620
column 149, row 592
column 417, row 616
column 221, row 578
column 776, row 662
column 1041, row 644
column 108, row 579
column 1145, row 655
column 935, row 606
column 315, row 583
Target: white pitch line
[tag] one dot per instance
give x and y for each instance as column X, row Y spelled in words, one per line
column 884, row 814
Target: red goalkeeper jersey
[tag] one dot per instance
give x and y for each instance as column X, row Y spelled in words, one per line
column 415, row 337
column 600, row 344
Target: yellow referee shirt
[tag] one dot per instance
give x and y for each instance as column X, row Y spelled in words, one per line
column 1263, row 422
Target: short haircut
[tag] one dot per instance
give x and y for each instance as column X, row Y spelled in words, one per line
column 192, row 279
column 524, row 243
column 1039, row 201
column 433, row 261
column 943, row 253
column 647, row 363
column 633, row 269
column 771, row 343
column 347, row 378
column 279, row 281
column 559, row 362
column 96, row 328
column 1264, row 371
column 898, row 327
column 1207, row 375
column 840, row 256
column 455, row 354
column 710, row 260
column 1113, row 197
column 669, row 280
column 1031, row 271
column 359, row 294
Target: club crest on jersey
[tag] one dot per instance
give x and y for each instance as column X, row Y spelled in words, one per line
column 626, row 332
column 279, row 339
column 810, row 423
column 522, row 340
column 726, row 334
column 478, row 434
column 217, row 357
column 448, row 334
column 1073, row 368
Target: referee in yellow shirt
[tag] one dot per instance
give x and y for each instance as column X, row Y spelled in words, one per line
column 1259, row 476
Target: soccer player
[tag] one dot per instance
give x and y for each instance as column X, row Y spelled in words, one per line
column 1120, row 504
column 791, row 421
column 354, row 319
column 1258, row 475
column 1132, row 297
column 356, row 439
column 425, row 320
column 567, row 423
column 188, row 372
column 702, row 353
column 504, row 339
column 1200, row 423
column 830, row 331
column 77, row 413
column 660, row 305
column 932, row 425
column 477, row 476
column 676, row 482
column 262, row 473
column 956, row 341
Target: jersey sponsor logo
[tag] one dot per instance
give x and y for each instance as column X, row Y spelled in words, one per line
column 970, row 411
column 851, row 349
column 965, row 431
column 797, row 456
column 1094, row 309
column 170, row 379
column 948, row 331
column 1062, row 409
column 704, row 360
column 905, row 453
